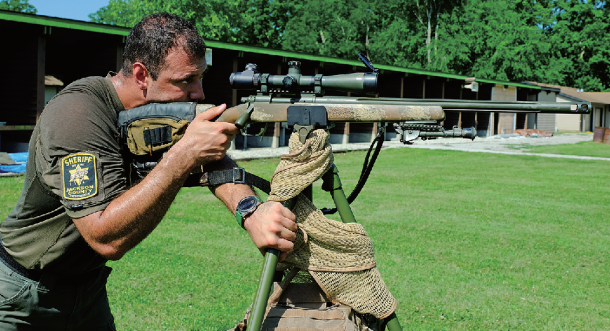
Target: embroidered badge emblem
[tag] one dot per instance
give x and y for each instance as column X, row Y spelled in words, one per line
column 79, row 175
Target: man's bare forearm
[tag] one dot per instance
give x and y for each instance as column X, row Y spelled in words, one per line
column 230, row 194
column 131, row 217
column 128, row 219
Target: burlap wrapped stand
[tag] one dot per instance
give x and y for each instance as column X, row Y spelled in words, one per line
column 339, row 256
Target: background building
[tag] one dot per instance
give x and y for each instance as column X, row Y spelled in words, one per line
column 600, row 108
column 39, row 46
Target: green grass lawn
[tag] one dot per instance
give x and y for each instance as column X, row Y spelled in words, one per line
column 585, row 148
column 465, row 241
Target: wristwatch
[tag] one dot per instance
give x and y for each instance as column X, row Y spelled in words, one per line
column 245, row 207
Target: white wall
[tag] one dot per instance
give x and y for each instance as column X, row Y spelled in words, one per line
column 567, row 122
column 547, row 122
column 506, row 123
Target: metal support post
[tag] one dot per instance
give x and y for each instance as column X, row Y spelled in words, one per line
column 393, row 324
column 262, row 292
column 332, row 184
column 259, row 306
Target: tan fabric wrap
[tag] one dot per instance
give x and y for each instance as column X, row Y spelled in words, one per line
column 340, row 328
column 339, row 318
column 340, row 256
column 322, row 326
column 301, row 293
column 333, row 314
column 135, row 136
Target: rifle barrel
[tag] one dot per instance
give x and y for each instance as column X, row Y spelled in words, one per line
column 446, row 104
column 362, row 109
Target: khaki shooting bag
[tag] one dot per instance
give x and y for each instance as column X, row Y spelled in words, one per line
column 155, row 127
column 305, row 307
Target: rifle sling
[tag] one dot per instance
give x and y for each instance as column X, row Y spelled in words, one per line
column 235, row 175
column 366, row 170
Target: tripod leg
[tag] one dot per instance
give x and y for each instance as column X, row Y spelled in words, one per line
column 259, row 306
column 393, row 324
column 262, row 292
column 332, row 183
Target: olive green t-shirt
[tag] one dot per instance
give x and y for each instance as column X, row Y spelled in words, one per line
column 74, row 169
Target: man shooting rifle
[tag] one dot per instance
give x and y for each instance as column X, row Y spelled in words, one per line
column 78, row 208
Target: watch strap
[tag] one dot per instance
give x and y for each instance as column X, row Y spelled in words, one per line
column 240, row 218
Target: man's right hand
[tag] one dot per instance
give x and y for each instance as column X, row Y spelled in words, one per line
column 272, row 226
column 205, row 141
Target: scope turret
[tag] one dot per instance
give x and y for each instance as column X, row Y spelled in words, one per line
column 294, row 82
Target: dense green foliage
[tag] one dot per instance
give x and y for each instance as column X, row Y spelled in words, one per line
column 22, row 6
column 565, row 42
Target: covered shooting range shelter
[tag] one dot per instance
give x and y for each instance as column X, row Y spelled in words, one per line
column 36, row 46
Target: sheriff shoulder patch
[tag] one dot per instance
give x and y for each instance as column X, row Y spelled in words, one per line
column 79, row 175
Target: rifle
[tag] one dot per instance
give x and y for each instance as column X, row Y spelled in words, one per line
column 300, row 101
column 411, row 118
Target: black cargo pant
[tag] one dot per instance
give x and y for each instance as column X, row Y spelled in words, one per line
column 54, row 302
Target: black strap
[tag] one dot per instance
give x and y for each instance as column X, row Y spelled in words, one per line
column 16, row 267
column 235, row 175
column 158, row 136
column 366, row 170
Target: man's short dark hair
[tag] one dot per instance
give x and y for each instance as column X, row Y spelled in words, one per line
column 151, row 40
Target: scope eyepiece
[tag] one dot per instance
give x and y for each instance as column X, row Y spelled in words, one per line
column 247, row 79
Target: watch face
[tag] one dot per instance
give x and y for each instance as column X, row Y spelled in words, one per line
column 247, row 204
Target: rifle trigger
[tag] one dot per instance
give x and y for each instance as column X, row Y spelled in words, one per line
column 262, row 132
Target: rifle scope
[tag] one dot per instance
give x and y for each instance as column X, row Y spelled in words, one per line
column 251, row 79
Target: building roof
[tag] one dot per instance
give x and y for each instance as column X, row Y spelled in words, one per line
column 594, row 97
column 52, row 81
column 48, row 21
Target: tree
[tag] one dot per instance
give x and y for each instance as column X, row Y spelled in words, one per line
column 262, row 23
column 117, row 12
column 428, row 13
column 581, row 34
column 22, row 6
column 339, row 28
column 503, row 40
column 410, row 32
column 387, row 30
column 564, row 42
column 242, row 21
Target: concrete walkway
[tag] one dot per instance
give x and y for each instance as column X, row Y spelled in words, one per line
column 559, row 156
column 494, row 145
